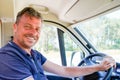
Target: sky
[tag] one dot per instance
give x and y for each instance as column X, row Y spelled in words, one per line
column 115, row 14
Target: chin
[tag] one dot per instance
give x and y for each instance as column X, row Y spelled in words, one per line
column 29, row 45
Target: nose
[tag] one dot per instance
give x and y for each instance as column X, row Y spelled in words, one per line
column 34, row 32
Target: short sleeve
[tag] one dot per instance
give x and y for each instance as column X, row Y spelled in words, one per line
column 12, row 67
column 41, row 58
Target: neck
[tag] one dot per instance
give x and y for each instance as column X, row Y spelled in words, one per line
column 28, row 50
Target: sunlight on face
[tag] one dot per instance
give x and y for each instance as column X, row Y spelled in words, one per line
column 27, row 31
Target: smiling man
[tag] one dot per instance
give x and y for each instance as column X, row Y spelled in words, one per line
column 18, row 61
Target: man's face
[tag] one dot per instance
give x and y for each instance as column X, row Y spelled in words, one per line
column 27, row 31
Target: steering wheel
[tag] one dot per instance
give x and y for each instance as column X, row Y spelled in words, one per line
column 91, row 60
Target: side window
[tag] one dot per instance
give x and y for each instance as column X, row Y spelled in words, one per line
column 48, row 44
column 72, row 50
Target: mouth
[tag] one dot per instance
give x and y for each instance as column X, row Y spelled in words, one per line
column 31, row 38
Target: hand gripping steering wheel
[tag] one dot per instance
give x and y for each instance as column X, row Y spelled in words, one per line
column 91, row 60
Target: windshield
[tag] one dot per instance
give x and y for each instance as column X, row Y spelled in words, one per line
column 104, row 33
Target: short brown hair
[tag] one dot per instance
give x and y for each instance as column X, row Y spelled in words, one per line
column 29, row 11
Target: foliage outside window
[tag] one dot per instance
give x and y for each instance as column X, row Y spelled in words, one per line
column 104, row 33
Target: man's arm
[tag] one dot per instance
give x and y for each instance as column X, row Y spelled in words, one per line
column 78, row 71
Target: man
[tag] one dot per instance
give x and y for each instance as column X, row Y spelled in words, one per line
column 18, row 61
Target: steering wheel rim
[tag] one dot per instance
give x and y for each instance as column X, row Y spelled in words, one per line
column 88, row 58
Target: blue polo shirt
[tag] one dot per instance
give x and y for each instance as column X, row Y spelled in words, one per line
column 17, row 64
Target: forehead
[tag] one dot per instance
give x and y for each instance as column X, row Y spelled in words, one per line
column 30, row 20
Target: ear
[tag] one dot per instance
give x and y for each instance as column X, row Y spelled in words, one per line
column 14, row 27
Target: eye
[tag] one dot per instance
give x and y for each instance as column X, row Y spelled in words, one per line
column 38, row 30
column 27, row 27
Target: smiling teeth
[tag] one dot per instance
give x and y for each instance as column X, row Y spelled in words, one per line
column 31, row 38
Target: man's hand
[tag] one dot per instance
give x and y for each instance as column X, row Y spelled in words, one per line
column 107, row 63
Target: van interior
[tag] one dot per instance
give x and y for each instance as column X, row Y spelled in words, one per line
column 73, row 30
